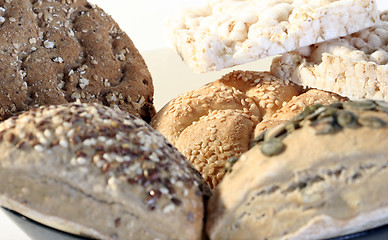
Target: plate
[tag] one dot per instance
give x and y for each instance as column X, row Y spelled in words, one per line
column 37, row 231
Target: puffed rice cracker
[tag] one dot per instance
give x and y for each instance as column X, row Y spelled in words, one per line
column 355, row 66
column 225, row 33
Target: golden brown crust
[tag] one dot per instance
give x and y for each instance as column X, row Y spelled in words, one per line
column 55, row 52
column 215, row 138
column 234, row 104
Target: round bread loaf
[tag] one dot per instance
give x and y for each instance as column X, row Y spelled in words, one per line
column 320, row 175
column 218, row 121
column 213, row 123
column 55, row 52
column 95, row 171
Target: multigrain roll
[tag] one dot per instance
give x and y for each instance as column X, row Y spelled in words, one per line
column 55, row 52
column 95, row 171
column 213, row 123
column 310, row 178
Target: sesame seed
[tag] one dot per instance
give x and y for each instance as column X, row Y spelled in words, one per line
column 58, row 60
column 168, row 208
column 48, row 44
column 32, row 40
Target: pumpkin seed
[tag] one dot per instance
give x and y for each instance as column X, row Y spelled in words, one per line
column 315, row 114
column 360, row 105
column 324, row 126
column 329, row 111
column 279, row 132
column 372, row 122
column 307, row 111
column 346, row 119
column 382, row 106
column 258, row 139
column 272, row 147
column 338, row 105
column 229, row 164
column 291, row 126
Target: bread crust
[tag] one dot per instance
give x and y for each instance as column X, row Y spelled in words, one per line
column 317, row 187
column 96, row 171
column 56, row 52
column 213, row 123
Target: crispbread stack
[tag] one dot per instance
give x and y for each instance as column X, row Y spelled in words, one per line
column 230, row 32
column 354, row 66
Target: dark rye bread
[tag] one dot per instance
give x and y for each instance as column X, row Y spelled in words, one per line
column 55, row 52
column 96, row 171
column 320, row 175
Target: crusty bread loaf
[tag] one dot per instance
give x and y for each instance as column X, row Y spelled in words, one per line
column 213, row 123
column 225, row 33
column 99, row 172
column 355, row 66
column 320, row 175
column 55, row 52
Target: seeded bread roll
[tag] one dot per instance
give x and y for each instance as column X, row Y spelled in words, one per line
column 321, row 175
column 213, row 123
column 56, row 52
column 355, row 66
column 94, row 171
column 224, row 33
column 295, row 106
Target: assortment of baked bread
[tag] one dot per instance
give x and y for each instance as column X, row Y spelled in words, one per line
column 290, row 153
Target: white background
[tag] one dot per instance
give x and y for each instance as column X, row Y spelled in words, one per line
column 144, row 23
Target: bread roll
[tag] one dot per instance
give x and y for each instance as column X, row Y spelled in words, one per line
column 57, row 52
column 215, row 122
column 94, row 171
column 320, row 175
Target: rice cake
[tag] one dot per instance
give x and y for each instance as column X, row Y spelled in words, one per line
column 225, row 33
column 355, row 66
